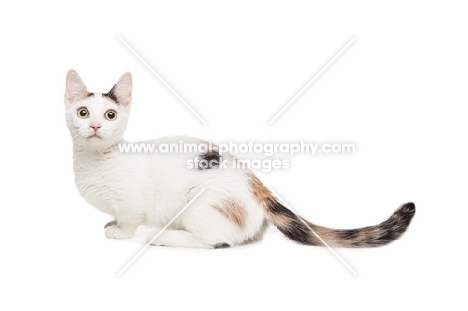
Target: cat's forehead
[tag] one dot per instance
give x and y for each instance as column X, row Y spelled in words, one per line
column 98, row 101
column 109, row 96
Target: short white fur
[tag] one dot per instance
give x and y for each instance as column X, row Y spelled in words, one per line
column 149, row 189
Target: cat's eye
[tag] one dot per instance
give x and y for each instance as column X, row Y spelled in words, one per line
column 82, row 113
column 111, row 115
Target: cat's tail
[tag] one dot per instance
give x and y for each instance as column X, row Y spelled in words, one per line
column 298, row 229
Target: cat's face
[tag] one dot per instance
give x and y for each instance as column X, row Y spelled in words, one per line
column 96, row 120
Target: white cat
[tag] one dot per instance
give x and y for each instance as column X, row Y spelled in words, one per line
column 150, row 189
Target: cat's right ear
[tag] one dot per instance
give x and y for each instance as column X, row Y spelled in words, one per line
column 75, row 89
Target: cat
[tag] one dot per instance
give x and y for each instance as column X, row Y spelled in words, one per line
column 150, row 189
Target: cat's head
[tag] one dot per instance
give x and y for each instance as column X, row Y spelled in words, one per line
column 97, row 120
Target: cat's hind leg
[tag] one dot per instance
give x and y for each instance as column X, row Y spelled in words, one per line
column 178, row 238
column 214, row 221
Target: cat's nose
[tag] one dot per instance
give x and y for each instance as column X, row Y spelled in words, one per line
column 95, row 126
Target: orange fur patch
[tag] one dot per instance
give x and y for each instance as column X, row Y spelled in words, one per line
column 233, row 211
column 260, row 192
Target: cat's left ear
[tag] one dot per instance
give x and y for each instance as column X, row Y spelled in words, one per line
column 123, row 90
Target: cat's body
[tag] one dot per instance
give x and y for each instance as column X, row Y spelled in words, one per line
column 164, row 185
column 151, row 188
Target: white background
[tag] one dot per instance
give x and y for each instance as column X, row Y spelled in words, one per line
column 399, row 93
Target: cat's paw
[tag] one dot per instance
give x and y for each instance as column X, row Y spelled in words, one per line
column 114, row 232
column 110, row 223
column 150, row 236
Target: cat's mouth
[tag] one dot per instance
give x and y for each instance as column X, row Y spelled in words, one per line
column 94, row 136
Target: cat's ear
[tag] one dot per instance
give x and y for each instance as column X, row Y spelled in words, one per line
column 75, row 89
column 123, row 90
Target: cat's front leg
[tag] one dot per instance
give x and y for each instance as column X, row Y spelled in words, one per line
column 124, row 225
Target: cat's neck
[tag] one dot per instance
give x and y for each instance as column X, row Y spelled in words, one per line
column 91, row 153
